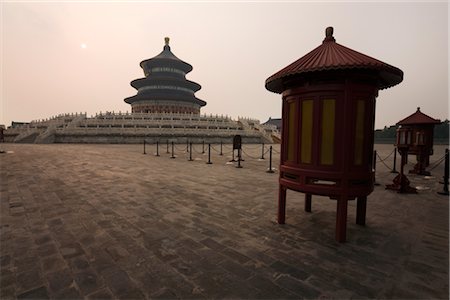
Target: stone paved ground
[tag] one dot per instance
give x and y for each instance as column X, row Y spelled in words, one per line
column 106, row 221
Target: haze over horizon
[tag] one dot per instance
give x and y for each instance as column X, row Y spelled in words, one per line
column 69, row 57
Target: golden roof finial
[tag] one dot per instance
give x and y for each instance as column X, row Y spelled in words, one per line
column 166, row 39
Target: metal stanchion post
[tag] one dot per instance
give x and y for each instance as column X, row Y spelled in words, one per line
column 262, row 151
column 190, row 152
column 239, row 159
column 144, row 148
column 375, row 167
column 157, row 148
column 203, row 147
column 395, row 161
column 173, row 156
column 221, row 149
column 446, row 175
column 270, row 161
column 209, row 154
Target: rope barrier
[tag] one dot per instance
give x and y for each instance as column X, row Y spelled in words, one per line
column 254, row 157
column 430, row 168
column 198, row 152
column 223, row 152
column 384, row 175
column 382, row 161
column 436, row 163
column 183, row 149
column 251, row 148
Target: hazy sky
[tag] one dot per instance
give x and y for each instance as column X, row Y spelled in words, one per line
column 80, row 57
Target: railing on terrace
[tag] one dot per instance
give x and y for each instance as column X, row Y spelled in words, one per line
column 159, row 116
column 67, row 116
column 146, row 131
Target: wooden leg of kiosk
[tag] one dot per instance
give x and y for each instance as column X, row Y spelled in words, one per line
column 308, row 202
column 282, row 205
column 361, row 204
column 341, row 219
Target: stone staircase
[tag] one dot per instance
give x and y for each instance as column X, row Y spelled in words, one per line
column 46, row 137
column 76, row 121
column 276, row 137
column 27, row 137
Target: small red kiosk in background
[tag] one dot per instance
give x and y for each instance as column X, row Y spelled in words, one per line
column 421, row 129
column 401, row 183
column 328, row 115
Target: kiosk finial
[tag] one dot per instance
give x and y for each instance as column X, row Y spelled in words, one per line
column 329, row 35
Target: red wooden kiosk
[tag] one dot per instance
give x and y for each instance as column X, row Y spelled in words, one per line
column 401, row 183
column 328, row 115
column 421, row 144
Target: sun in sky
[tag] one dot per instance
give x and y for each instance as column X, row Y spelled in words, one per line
column 83, row 46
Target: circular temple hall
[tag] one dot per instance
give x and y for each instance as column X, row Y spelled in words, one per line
column 165, row 88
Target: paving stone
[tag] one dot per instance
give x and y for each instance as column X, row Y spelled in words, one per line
column 164, row 293
column 42, row 239
column 184, row 267
column 297, row 286
column 237, row 269
column 28, row 280
column 104, row 265
column 71, row 250
column 116, row 252
column 17, row 211
column 78, row 263
column 87, row 281
column 53, row 263
column 268, row 289
column 234, row 255
column 7, row 281
column 38, row 293
column 120, row 283
column 55, row 223
column 26, row 263
column 101, row 294
column 47, row 250
column 288, row 269
column 212, row 244
column 210, row 256
column 7, row 293
column 59, row 280
column 70, row 293
column 86, row 240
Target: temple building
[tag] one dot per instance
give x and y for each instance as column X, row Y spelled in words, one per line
column 165, row 88
column 165, row 108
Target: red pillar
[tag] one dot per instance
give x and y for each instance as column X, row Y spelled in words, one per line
column 282, row 205
column 308, row 202
column 361, row 204
column 341, row 219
